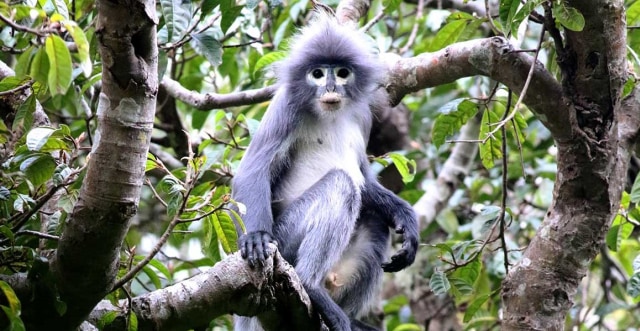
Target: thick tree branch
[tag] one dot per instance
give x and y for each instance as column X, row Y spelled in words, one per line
column 453, row 172
column 492, row 57
column 210, row 101
column 538, row 291
column 87, row 259
column 349, row 12
column 274, row 294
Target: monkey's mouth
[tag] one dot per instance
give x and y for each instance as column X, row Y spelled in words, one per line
column 330, row 98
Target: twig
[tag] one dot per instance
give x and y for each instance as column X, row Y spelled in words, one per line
column 22, row 28
column 134, row 271
column 414, row 30
column 25, row 86
column 503, row 201
column 38, row 234
column 373, row 21
column 490, row 19
column 503, row 122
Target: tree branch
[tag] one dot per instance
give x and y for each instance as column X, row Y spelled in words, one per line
column 274, row 294
column 454, row 170
column 492, row 57
column 86, row 262
column 211, row 101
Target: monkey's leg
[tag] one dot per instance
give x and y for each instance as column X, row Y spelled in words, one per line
column 313, row 233
column 360, row 269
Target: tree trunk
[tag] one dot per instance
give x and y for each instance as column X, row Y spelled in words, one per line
column 592, row 164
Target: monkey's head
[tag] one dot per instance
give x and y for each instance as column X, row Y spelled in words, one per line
column 330, row 66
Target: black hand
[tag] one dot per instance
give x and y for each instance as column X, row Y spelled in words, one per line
column 407, row 254
column 253, row 247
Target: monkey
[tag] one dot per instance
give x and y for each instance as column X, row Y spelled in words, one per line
column 306, row 181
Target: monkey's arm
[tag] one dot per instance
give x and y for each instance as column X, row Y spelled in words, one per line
column 398, row 214
column 261, row 165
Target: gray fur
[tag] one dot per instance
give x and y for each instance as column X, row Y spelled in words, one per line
column 306, row 182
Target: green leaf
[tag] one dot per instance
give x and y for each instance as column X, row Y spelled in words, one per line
column 11, row 297
column 38, row 168
column 208, row 6
column 177, row 15
column 107, row 319
column 225, row 231
column 520, row 126
column 268, row 59
column 210, row 241
column 161, row 268
column 633, row 14
column 60, row 69
column 439, row 283
column 15, row 323
column 447, row 35
column 569, row 17
column 38, row 137
column 492, row 149
column 406, row 167
column 228, row 17
column 620, row 230
column 153, row 277
column 24, row 115
column 40, row 66
column 453, row 115
column 474, row 306
column 633, row 286
column 470, row 272
column 80, row 39
column 635, row 190
column 174, row 188
column 407, row 327
column 507, row 11
column 133, row 321
column 208, row 46
column 391, row 5
column 61, row 8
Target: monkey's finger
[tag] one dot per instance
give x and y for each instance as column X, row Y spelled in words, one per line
column 399, row 229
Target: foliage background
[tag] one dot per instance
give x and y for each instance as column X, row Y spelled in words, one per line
column 222, row 48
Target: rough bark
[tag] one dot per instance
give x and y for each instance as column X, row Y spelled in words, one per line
column 592, row 163
column 274, row 293
column 86, row 263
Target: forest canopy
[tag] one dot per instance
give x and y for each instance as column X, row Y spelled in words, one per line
column 510, row 127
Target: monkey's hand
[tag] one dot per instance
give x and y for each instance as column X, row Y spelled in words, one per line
column 407, row 254
column 253, row 247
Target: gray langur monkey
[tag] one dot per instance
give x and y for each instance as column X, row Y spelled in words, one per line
column 306, row 181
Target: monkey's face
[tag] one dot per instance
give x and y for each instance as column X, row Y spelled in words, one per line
column 331, row 83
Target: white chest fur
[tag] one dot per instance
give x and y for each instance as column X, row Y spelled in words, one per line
column 321, row 148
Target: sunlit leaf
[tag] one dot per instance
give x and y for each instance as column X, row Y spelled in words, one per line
column 474, row 306
column 447, row 35
column 406, row 167
column 569, row 17
column 267, row 60
column 59, row 76
column 491, row 150
column 10, row 297
column 80, row 39
column 453, row 115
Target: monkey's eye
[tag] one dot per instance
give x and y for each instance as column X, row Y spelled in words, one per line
column 317, row 73
column 343, row 73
